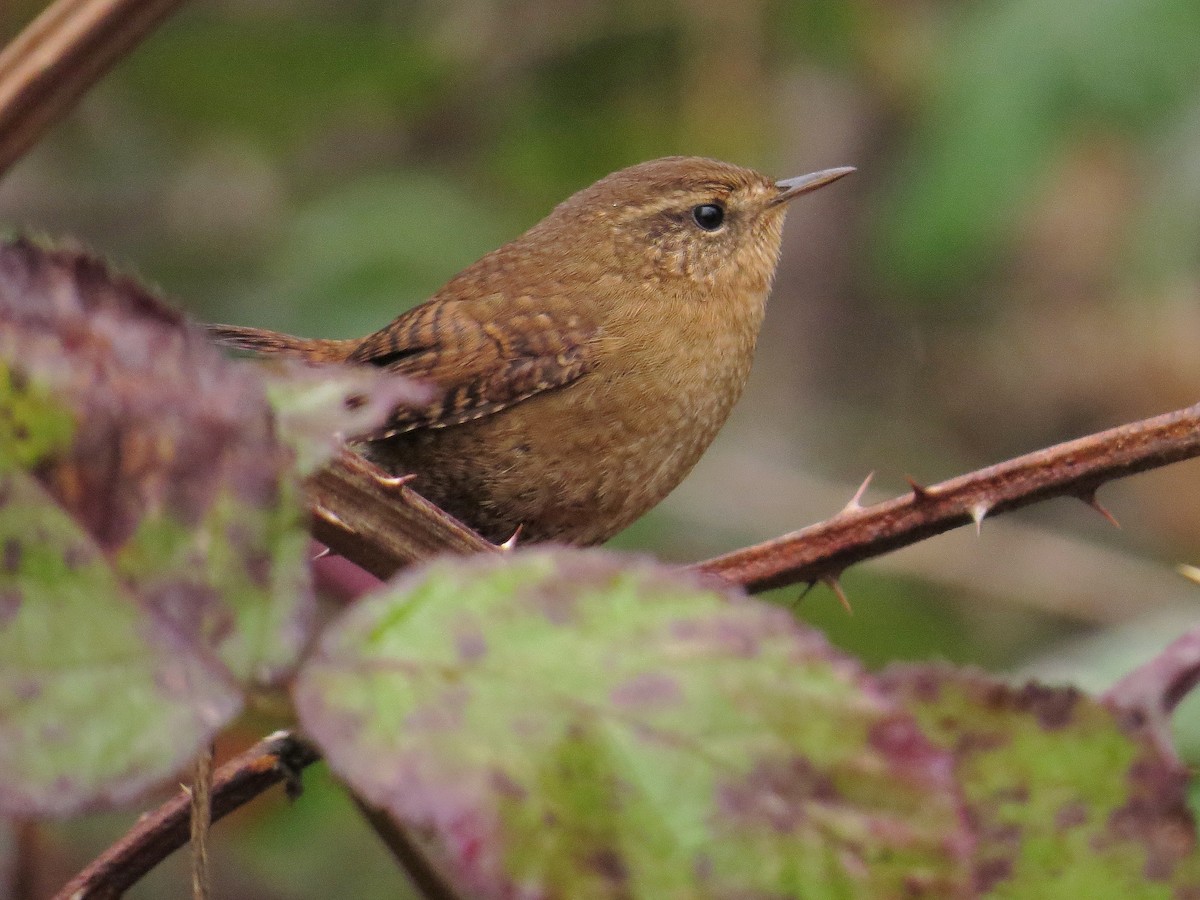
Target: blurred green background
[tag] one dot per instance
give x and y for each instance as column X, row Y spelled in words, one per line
column 1016, row 262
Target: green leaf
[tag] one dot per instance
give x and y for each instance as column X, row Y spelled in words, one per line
column 571, row 724
column 32, row 425
column 1067, row 800
column 153, row 559
column 99, row 699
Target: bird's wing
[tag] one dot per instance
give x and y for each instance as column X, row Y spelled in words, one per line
column 479, row 364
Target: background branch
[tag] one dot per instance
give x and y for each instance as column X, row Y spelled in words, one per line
column 61, row 54
column 403, row 847
column 278, row 757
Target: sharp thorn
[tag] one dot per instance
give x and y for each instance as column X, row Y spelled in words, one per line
column 511, row 543
column 855, row 503
column 978, row 511
column 836, row 586
column 807, row 588
column 395, row 482
column 325, row 551
column 333, row 518
column 1090, row 499
column 1191, row 573
column 920, row 492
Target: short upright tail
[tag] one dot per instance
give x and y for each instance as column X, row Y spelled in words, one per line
column 259, row 340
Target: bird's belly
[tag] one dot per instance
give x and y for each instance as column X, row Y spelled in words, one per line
column 571, row 466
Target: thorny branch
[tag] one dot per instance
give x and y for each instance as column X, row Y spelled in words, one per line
column 378, row 522
column 278, row 757
column 1072, row 469
column 369, row 507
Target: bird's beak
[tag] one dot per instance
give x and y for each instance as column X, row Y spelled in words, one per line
column 791, row 188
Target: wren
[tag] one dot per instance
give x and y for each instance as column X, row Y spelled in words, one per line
column 580, row 370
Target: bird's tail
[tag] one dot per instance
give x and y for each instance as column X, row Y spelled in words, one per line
column 274, row 343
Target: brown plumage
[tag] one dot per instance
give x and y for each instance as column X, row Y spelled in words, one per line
column 581, row 369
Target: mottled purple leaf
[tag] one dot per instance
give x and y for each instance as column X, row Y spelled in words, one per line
column 99, row 698
column 574, row 724
column 151, row 527
column 1067, row 799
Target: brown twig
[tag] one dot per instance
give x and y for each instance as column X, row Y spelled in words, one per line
column 201, row 820
column 383, row 528
column 400, row 843
column 1072, row 469
column 61, row 54
column 1104, row 575
column 378, row 522
column 19, row 867
column 279, row 757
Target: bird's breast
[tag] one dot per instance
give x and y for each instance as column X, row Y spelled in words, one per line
column 659, row 397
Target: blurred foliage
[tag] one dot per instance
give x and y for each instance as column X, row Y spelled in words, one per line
column 362, row 240
column 292, row 78
column 1018, row 81
column 1016, row 262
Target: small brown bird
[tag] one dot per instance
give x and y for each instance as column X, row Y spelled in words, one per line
column 580, row 370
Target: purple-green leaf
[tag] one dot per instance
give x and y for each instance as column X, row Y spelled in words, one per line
column 99, row 697
column 1067, row 799
column 574, row 724
column 152, row 542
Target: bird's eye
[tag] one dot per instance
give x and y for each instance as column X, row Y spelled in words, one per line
column 709, row 216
